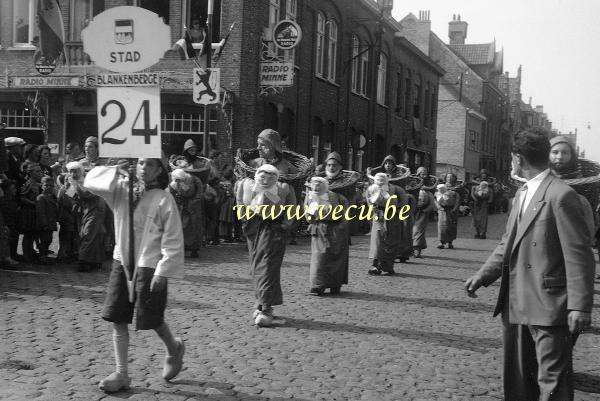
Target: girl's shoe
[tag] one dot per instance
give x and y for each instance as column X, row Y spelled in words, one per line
column 173, row 364
column 450, row 246
column 317, row 291
column 264, row 318
column 335, row 290
column 441, row 245
column 374, row 271
column 115, row 382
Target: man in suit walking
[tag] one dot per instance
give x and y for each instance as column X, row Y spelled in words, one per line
column 547, row 277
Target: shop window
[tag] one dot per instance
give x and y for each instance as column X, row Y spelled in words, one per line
column 18, row 118
column 82, row 12
column 25, row 28
column 176, row 127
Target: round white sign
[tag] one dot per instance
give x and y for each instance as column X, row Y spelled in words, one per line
column 126, row 39
column 287, row 34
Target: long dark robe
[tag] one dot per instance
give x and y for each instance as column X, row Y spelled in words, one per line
column 406, row 245
column 421, row 216
column 191, row 209
column 480, row 209
column 92, row 229
column 329, row 248
column 266, row 247
column 448, row 217
column 386, row 236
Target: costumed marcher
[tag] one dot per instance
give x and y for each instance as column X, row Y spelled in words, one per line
column 386, row 236
column 159, row 257
column 565, row 165
column 425, row 205
column 188, row 192
column 192, row 162
column 68, row 216
column 447, row 203
column 29, row 193
column 397, row 173
column 266, row 238
column 546, row 267
column 342, row 182
column 46, row 217
column 482, row 196
column 329, row 244
column 92, row 229
column 270, row 151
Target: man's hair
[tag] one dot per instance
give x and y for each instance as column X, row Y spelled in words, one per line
column 533, row 144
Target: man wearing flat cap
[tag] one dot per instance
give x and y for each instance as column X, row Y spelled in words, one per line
column 14, row 153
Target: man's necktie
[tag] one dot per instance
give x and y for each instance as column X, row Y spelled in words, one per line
column 523, row 194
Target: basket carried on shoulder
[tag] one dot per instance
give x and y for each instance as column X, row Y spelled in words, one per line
column 179, row 162
column 302, row 163
column 429, row 183
column 401, row 173
column 347, row 178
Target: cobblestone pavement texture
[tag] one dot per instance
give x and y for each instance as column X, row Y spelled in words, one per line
column 413, row 336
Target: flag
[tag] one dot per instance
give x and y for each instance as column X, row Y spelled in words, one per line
column 52, row 37
column 224, row 41
column 184, row 47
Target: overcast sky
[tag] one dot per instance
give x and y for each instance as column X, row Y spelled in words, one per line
column 556, row 41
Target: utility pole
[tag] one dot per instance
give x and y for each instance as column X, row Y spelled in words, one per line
column 207, row 47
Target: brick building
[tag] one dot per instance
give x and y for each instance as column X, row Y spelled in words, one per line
column 356, row 83
column 472, row 109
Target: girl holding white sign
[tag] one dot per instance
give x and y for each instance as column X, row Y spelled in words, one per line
column 159, row 256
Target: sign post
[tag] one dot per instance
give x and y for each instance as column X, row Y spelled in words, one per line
column 207, row 43
column 126, row 40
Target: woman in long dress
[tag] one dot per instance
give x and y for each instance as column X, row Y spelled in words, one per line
column 329, row 244
column 482, row 196
column 266, row 238
column 425, row 204
column 188, row 192
column 386, row 236
column 447, row 203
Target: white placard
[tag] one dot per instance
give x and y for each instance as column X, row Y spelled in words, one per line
column 53, row 148
column 129, row 122
column 126, row 39
column 206, row 85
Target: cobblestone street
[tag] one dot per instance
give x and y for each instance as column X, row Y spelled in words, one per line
column 412, row 336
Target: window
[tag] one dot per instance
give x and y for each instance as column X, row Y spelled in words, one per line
column 198, row 9
column 407, row 94
column 433, row 105
column 159, row 7
column 398, row 109
column 327, row 139
column 18, row 118
column 278, row 11
column 426, row 107
column 364, row 64
column 473, row 140
column 417, row 98
column 320, row 56
column 355, row 64
column 82, row 12
column 332, row 50
column 25, row 27
column 382, row 80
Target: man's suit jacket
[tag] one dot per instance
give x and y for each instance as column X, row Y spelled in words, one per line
column 545, row 260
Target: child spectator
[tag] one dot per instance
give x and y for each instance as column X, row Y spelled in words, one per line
column 29, row 193
column 46, row 217
column 12, row 215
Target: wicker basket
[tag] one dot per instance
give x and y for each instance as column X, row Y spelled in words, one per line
column 402, row 173
column 349, row 178
column 179, row 162
column 302, row 163
column 429, row 183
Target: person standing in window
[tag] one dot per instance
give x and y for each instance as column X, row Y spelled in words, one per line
column 197, row 31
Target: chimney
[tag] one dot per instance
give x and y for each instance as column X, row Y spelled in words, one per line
column 386, row 7
column 457, row 30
